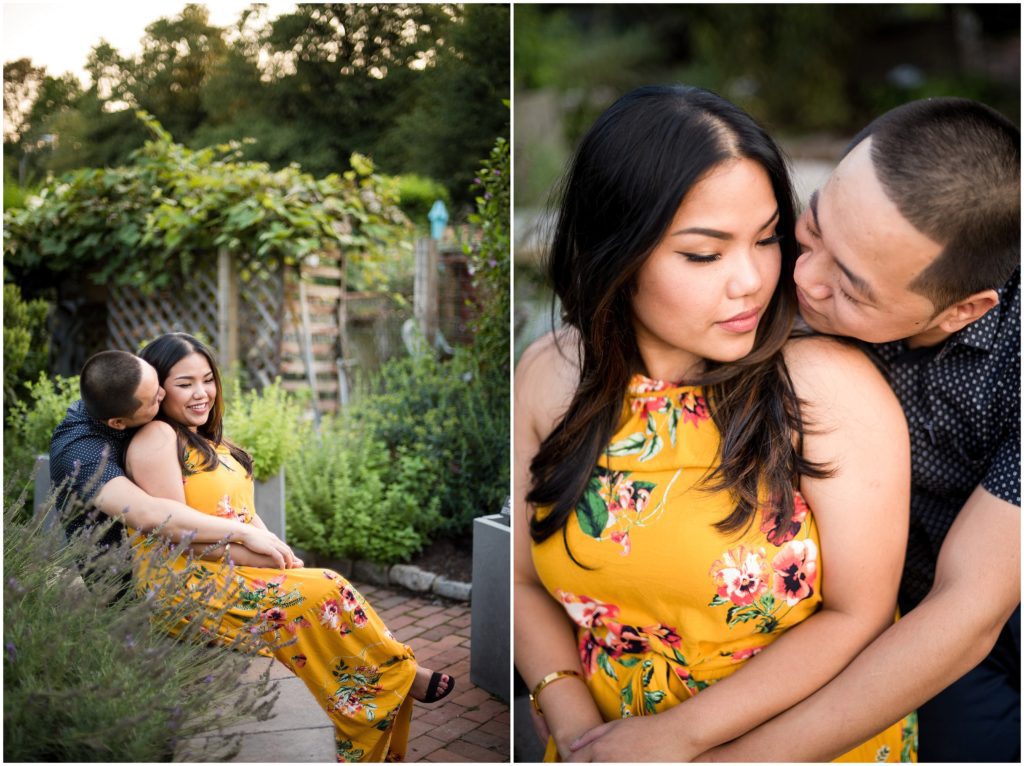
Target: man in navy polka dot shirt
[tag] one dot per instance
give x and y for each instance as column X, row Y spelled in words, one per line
column 120, row 392
column 912, row 246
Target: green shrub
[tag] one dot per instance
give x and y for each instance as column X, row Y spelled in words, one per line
column 90, row 676
column 454, row 415
column 26, row 345
column 490, row 259
column 268, row 424
column 30, row 424
column 349, row 496
column 416, row 195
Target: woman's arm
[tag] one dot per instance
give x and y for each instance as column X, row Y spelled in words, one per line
column 544, row 637
column 152, row 463
column 857, row 427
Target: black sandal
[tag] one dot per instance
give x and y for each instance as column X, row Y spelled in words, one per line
column 435, row 681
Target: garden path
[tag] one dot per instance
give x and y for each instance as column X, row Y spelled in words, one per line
column 469, row 726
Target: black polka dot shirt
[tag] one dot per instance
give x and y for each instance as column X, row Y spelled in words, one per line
column 87, row 454
column 962, row 403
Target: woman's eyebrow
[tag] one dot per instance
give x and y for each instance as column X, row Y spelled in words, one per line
column 716, row 234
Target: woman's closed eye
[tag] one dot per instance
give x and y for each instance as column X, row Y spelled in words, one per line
column 774, row 239
column 700, row 258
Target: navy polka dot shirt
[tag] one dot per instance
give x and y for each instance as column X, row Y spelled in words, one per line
column 962, row 404
column 87, row 454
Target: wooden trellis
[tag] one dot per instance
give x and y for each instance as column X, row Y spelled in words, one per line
column 269, row 320
column 291, row 322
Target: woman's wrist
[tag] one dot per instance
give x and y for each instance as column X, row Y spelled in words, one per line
column 569, row 711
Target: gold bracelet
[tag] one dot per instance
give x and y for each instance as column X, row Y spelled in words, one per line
column 549, row 678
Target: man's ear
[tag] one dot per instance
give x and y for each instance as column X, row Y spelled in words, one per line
column 970, row 309
column 118, row 424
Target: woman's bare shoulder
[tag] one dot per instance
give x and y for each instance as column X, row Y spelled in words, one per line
column 829, row 371
column 156, row 433
column 546, row 378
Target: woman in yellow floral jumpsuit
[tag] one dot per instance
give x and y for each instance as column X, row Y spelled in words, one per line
column 312, row 620
column 710, row 515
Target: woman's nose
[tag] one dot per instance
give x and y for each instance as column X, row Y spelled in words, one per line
column 746, row 278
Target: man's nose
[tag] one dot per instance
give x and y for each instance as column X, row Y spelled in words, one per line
column 808, row 276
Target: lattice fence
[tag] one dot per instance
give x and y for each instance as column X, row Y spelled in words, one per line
column 248, row 309
column 309, row 331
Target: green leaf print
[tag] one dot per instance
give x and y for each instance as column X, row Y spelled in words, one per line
column 627, row 694
column 738, row 614
column 651, row 699
column 673, row 422
column 631, row 445
column 653, row 448
column 767, row 603
column 638, row 485
column 652, row 426
column 592, row 513
column 718, row 601
column 766, row 625
column 629, row 662
column 679, row 656
column 606, row 665
column 648, row 667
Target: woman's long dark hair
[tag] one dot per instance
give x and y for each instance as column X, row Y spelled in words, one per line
column 625, row 183
column 165, row 352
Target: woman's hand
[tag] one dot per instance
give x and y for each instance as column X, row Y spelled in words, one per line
column 244, row 557
column 648, row 739
column 268, row 544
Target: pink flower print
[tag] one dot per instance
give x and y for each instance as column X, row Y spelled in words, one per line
column 329, row 613
column 745, row 654
column 224, row 508
column 796, row 569
column 665, row 634
column 330, row 575
column 301, row 622
column 622, row 538
column 770, row 526
column 589, row 649
column 359, row 618
column 646, row 405
column 275, row 616
column 694, row 407
column 585, row 612
column 345, row 629
column 625, row 639
column 348, row 598
column 299, row 660
column 682, row 671
column 645, row 385
column 741, row 575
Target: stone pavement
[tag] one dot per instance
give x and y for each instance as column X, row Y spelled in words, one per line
column 468, row 726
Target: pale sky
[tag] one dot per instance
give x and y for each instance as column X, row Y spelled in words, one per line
column 61, row 35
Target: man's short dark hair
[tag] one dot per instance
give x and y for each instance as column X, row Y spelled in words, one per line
column 108, row 384
column 952, row 168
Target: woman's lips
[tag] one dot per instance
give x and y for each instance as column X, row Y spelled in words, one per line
column 742, row 323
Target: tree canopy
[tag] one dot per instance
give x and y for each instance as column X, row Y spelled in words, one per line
column 417, row 87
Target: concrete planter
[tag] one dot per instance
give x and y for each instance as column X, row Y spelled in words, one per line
column 270, row 503
column 490, row 653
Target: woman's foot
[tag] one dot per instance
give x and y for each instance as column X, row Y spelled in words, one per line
column 430, row 686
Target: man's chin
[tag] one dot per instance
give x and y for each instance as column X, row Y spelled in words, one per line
column 815, row 322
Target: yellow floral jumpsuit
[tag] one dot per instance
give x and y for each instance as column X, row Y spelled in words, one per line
column 334, row 641
column 667, row 604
